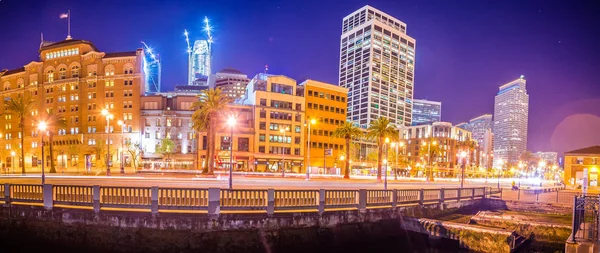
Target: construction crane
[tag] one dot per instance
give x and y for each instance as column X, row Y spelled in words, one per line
column 201, row 47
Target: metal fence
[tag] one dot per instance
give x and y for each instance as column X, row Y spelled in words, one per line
column 551, row 195
column 585, row 218
column 215, row 200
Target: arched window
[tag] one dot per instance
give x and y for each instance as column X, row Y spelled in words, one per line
column 62, row 73
column 109, row 70
column 50, row 76
column 6, row 86
column 128, row 69
column 75, row 71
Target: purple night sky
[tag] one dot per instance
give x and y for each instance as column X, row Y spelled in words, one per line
column 466, row 49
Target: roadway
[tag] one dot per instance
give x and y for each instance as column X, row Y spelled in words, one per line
column 239, row 182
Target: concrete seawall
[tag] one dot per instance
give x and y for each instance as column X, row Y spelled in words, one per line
column 114, row 231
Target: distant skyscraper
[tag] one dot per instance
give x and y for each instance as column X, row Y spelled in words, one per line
column 377, row 66
column 152, row 71
column 511, row 111
column 200, row 62
column 425, row 112
column 481, row 129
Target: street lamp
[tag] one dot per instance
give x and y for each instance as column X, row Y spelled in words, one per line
column 42, row 126
column 501, row 163
column 462, row 155
column 311, row 122
column 385, row 161
column 12, row 165
column 283, row 153
column 231, row 123
column 108, row 116
column 122, row 124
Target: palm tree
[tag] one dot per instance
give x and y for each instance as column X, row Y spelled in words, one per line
column 379, row 130
column 347, row 131
column 55, row 123
column 208, row 110
column 21, row 106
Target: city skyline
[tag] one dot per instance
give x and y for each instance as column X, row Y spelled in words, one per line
column 476, row 83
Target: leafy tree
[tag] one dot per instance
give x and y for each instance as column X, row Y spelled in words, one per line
column 55, row 123
column 21, row 106
column 209, row 110
column 379, row 130
column 135, row 150
column 166, row 148
column 347, row 131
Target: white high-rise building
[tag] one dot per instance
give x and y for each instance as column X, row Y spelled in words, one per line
column 377, row 62
column 200, row 62
column 481, row 128
column 511, row 111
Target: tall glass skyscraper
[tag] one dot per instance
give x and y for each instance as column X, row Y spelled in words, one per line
column 425, row 112
column 200, row 64
column 481, row 129
column 377, row 62
column 152, row 72
column 511, row 113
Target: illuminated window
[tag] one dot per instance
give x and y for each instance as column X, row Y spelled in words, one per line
column 75, row 71
column 62, row 73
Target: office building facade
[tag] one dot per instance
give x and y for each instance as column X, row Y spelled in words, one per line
column 232, row 82
column 377, row 60
column 481, row 129
column 326, row 104
column 511, row 113
column 425, row 112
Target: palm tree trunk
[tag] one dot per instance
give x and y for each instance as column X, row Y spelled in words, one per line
column 211, row 145
column 347, row 170
column 379, row 156
column 22, row 123
column 52, row 165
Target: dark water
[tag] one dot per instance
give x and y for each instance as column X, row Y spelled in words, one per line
column 392, row 243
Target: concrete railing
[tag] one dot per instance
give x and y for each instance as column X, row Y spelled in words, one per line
column 215, row 200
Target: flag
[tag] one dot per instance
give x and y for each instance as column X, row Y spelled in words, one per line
column 64, row 15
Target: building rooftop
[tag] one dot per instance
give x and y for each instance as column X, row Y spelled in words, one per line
column 120, row 54
column 230, row 70
column 50, row 45
column 12, row 71
column 592, row 150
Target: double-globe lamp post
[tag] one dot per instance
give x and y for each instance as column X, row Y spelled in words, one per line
column 462, row 156
column 42, row 126
column 231, row 122
column 108, row 116
column 122, row 124
column 311, row 122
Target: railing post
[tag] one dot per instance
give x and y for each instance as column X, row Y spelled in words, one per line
column 472, row 193
column 485, row 192
column 458, row 194
column 270, row 201
column 96, row 198
column 7, row 194
column 519, row 194
column 214, row 201
column 47, row 192
column 556, row 197
column 321, row 201
column 537, row 198
column 421, row 197
column 154, row 199
column 362, row 200
column 394, row 198
column 442, row 199
column 574, row 226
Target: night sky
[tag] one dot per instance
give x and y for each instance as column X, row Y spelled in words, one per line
column 465, row 49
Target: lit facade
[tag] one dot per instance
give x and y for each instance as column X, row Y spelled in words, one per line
column 232, row 82
column 166, row 119
column 481, row 128
column 276, row 105
column 578, row 160
column 326, row 104
column 377, row 60
column 425, row 112
column 548, row 157
column 449, row 139
column 75, row 80
column 511, row 113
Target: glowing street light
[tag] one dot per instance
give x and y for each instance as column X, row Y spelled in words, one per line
column 12, row 154
column 429, row 176
column 385, row 161
column 311, row 122
column 108, row 116
column 231, row 123
column 501, row 163
column 462, row 155
column 42, row 126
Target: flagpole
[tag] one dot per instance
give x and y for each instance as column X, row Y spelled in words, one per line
column 69, row 24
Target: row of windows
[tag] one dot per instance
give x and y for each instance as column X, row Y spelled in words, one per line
column 279, row 150
column 326, row 96
column 326, row 108
column 62, row 53
column 159, row 135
